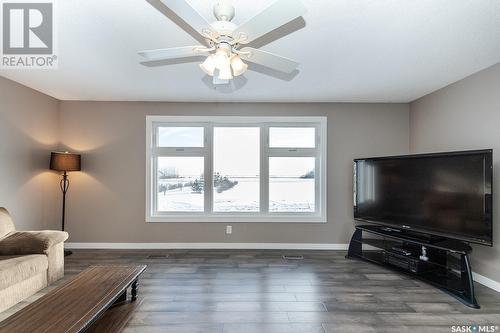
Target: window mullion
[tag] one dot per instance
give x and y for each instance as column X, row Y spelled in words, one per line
column 208, row 170
column 154, row 184
column 264, row 169
column 159, row 151
column 292, row 152
column 317, row 185
column 153, row 169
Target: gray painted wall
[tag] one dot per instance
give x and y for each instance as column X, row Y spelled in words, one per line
column 28, row 132
column 464, row 115
column 107, row 200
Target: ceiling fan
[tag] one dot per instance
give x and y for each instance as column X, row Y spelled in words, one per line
column 225, row 39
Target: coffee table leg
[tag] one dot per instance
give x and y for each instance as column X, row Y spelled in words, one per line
column 134, row 290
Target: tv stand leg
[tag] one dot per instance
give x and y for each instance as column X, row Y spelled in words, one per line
column 355, row 246
column 467, row 281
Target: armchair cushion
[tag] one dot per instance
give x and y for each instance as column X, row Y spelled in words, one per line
column 31, row 242
column 14, row 269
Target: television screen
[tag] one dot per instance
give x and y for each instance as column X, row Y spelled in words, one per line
column 444, row 194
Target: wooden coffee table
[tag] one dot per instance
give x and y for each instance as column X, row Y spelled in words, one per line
column 77, row 305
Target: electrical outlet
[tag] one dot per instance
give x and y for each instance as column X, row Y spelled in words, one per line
column 229, row 229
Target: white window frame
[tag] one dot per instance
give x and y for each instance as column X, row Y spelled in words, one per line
column 264, row 123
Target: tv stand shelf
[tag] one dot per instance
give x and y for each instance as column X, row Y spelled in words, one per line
column 447, row 267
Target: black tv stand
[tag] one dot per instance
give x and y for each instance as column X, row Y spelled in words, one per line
column 447, row 266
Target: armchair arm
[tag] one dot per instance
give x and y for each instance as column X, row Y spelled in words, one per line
column 31, row 242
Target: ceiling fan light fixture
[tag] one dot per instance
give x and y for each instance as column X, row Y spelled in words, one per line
column 208, row 66
column 239, row 67
column 224, row 40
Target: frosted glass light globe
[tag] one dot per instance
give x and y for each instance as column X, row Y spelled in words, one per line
column 239, row 67
column 208, row 66
column 221, row 59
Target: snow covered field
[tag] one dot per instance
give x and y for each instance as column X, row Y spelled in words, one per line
column 286, row 195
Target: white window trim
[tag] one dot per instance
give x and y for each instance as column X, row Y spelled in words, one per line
column 320, row 123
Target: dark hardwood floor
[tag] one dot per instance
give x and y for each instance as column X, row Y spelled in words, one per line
column 208, row 291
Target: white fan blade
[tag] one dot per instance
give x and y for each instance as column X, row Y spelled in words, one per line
column 190, row 15
column 273, row 17
column 173, row 53
column 269, row 60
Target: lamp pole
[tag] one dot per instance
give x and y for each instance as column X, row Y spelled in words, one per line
column 64, row 185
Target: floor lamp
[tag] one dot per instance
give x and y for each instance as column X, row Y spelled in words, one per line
column 65, row 162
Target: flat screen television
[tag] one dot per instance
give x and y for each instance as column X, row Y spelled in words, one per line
column 442, row 194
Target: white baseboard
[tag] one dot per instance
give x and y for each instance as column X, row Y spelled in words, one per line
column 495, row 285
column 208, row 246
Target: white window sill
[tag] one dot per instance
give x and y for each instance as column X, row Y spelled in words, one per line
column 235, row 219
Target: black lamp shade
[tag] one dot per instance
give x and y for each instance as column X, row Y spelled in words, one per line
column 65, row 161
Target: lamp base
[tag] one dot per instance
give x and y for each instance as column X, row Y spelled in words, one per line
column 67, row 253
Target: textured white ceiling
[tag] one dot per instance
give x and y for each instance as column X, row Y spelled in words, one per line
column 349, row 50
